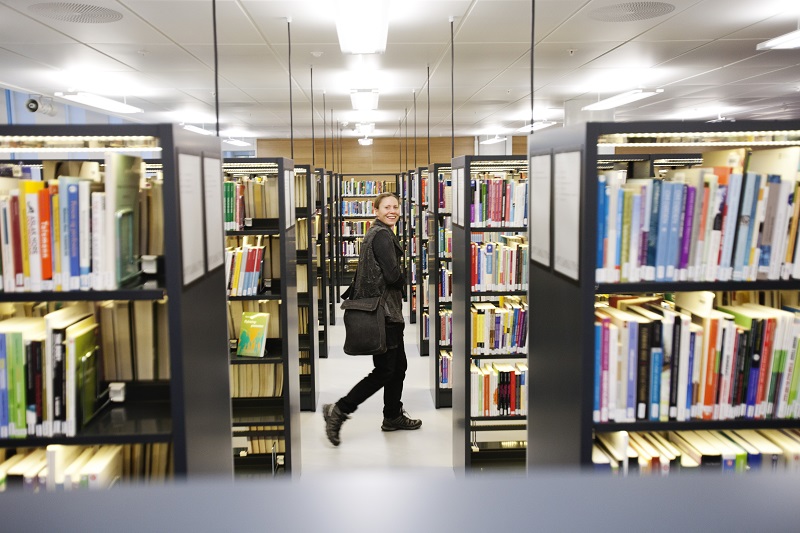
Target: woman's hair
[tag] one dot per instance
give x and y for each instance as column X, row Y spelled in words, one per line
column 376, row 203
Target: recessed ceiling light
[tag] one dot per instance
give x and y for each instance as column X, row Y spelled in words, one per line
column 100, row 102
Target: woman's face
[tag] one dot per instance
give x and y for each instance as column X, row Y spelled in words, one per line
column 388, row 211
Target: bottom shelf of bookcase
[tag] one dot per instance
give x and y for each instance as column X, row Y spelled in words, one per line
column 443, row 398
column 498, row 455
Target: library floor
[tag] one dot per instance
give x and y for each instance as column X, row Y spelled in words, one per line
column 364, row 445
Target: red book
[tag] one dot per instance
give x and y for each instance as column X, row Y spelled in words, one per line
column 512, row 392
column 249, row 269
column 487, row 393
column 710, row 385
column 16, row 239
column 764, row 374
column 45, row 239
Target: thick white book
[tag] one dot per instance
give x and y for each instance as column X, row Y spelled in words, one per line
column 85, row 237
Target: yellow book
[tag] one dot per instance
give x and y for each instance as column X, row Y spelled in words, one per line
column 56, row 230
column 26, row 188
column 237, row 265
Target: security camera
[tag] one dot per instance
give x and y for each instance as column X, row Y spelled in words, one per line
column 40, row 105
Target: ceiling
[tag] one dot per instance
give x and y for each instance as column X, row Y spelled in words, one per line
column 159, row 56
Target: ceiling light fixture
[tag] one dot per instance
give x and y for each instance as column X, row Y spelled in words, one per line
column 236, row 142
column 365, row 141
column 100, row 102
column 540, row 125
column 364, row 100
column 495, row 140
column 365, row 128
column 362, row 26
column 622, row 99
column 201, row 131
column 782, row 42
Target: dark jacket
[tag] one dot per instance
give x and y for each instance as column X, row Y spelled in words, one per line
column 380, row 268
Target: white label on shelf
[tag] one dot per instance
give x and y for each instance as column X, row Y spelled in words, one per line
column 215, row 235
column 190, row 189
column 567, row 212
column 540, row 182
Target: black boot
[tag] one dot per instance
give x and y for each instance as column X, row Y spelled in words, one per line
column 334, row 418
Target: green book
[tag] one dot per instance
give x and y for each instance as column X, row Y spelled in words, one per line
column 14, row 330
column 253, row 334
column 81, row 341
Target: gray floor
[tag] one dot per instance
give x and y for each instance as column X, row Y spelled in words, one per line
column 364, row 445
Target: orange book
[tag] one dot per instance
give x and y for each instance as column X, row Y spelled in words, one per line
column 45, row 239
column 710, row 383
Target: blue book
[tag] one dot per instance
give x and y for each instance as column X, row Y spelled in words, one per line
column 633, row 364
column 601, row 218
column 662, row 234
column 747, row 217
column 656, row 360
column 689, row 383
column 618, row 248
column 3, row 388
column 652, row 233
column 675, row 224
column 74, row 232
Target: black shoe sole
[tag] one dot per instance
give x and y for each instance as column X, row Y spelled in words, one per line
column 395, row 428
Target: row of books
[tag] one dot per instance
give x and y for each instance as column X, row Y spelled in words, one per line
column 499, row 389
column 446, row 327
column 267, row 443
column 71, row 467
column 692, row 359
column 445, row 196
column 357, row 228
column 353, row 187
column 667, row 453
column 445, row 284
column 499, row 201
column 72, row 233
column 499, row 329
column 445, row 364
column 250, row 263
column 249, row 197
column 357, row 208
column 351, row 248
column 445, row 239
column 237, row 308
column 256, row 381
column 499, row 266
column 301, row 231
column 53, row 368
column 702, row 224
column 426, row 325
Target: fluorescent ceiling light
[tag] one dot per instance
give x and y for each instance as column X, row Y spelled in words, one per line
column 782, row 42
column 236, row 142
column 622, row 99
column 540, row 125
column 201, row 131
column 366, row 141
column 362, row 26
column 495, row 140
column 365, row 129
column 100, row 102
column 364, row 100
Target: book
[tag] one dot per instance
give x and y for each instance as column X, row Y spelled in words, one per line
column 162, row 340
column 59, row 456
column 103, row 469
column 122, row 176
column 253, row 334
column 144, row 335
column 81, row 343
column 14, row 330
column 100, row 269
column 123, row 341
column 55, row 324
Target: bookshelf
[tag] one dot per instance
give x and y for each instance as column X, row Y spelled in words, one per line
column 188, row 411
column 418, row 244
column 564, row 268
column 409, row 233
column 354, row 195
column 269, row 413
column 323, row 244
column 484, row 428
column 439, row 231
column 307, row 295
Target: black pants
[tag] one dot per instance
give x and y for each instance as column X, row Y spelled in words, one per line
column 389, row 374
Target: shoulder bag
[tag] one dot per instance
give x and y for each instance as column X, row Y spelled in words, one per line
column 364, row 324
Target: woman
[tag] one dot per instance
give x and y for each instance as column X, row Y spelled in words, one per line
column 379, row 272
